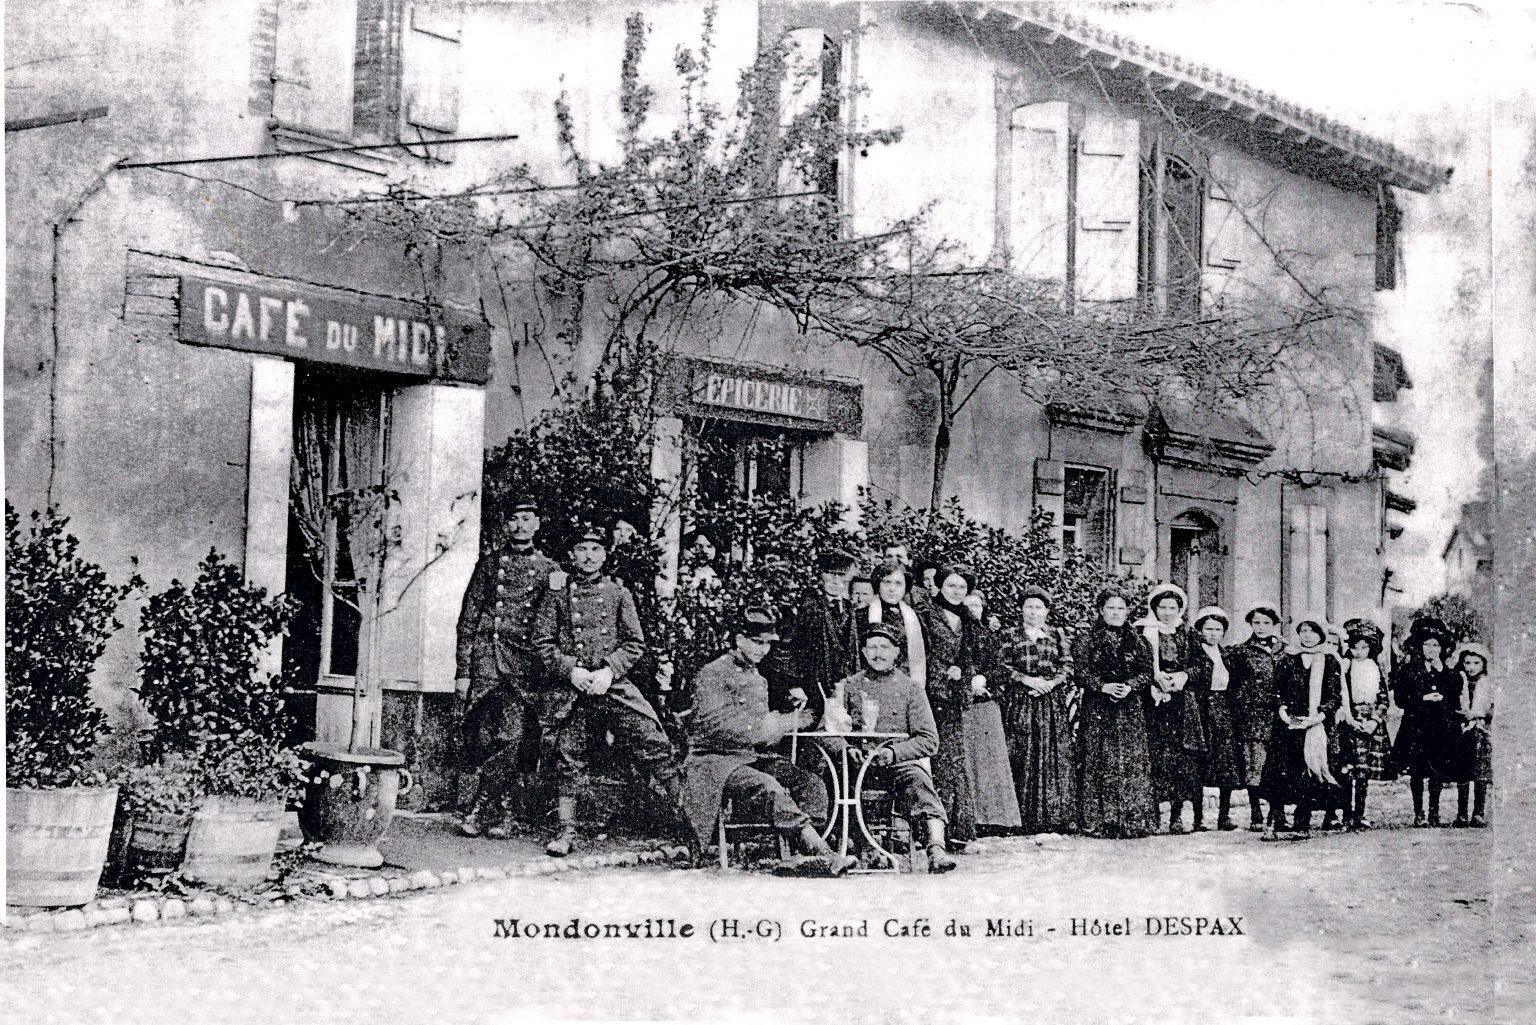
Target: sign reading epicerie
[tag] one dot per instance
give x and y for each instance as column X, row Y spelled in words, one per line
column 780, row 398
column 375, row 334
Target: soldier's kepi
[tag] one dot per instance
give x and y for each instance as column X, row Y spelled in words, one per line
column 589, row 638
column 498, row 673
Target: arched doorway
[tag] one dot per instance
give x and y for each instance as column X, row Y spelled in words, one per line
column 1197, row 558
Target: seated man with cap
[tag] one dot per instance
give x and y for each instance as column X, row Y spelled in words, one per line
column 903, row 708
column 730, row 732
column 588, row 635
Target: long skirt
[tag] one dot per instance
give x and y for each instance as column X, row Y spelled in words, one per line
column 1429, row 745
column 1117, row 770
column 1369, row 754
column 1042, row 751
column 1178, row 770
column 986, row 757
column 1224, row 756
column 1286, row 780
column 952, row 779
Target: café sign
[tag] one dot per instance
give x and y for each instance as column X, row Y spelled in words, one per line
column 390, row 335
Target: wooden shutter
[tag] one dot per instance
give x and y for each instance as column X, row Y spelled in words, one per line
column 1223, row 230
column 1308, row 560
column 1108, row 196
column 430, row 65
column 313, row 87
column 1037, row 219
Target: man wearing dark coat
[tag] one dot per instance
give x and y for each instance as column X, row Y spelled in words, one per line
column 588, row 636
column 822, row 645
column 497, row 675
column 903, row 708
column 730, row 731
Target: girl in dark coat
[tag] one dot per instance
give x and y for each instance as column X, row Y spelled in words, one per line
column 1038, row 701
column 1211, row 680
column 954, row 681
column 1428, row 740
column 1253, row 664
column 1303, row 765
column 1114, row 670
column 1473, row 661
column 1175, row 727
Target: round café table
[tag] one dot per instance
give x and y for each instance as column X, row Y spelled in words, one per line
column 847, row 784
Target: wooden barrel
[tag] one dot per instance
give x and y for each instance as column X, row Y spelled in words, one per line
column 158, row 840
column 232, row 841
column 56, row 844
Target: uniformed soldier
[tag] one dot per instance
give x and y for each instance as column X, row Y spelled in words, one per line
column 731, row 731
column 499, row 668
column 588, row 636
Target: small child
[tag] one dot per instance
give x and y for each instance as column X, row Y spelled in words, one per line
column 1365, row 713
column 1476, row 711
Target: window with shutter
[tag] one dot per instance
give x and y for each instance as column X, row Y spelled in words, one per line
column 430, row 66
column 1038, row 214
column 313, row 82
column 813, row 85
column 1108, row 195
column 1307, row 534
column 1171, row 251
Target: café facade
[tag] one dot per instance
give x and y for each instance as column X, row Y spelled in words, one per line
column 207, row 348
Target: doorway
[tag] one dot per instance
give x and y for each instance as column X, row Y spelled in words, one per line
column 336, row 510
column 1197, row 558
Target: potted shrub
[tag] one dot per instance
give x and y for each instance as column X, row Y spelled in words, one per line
column 351, row 789
column 58, row 616
column 210, row 799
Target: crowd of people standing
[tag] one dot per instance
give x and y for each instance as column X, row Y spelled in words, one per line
column 1109, row 730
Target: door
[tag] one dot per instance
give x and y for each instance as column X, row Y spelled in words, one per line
column 1197, row 558
column 337, row 508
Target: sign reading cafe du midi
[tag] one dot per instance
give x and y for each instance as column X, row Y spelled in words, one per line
column 372, row 333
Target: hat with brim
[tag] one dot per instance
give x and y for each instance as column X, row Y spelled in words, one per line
column 1471, row 648
column 1162, row 591
column 591, row 532
column 1212, row 612
column 524, row 504
column 881, row 630
column 757, row 624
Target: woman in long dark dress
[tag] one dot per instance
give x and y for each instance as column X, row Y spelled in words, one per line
column 1114, row 670
column 953, row 683
column 986, row 743
column 1304, row 767
column 1211, row 680
column 1175, row 726
column 1037, row 715
column 1427, row 746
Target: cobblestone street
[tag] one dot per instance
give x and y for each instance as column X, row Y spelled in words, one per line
column 1390, row 925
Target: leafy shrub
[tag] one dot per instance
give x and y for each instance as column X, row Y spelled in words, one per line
column 200, row 677
column 58, row 615
column 772, row 564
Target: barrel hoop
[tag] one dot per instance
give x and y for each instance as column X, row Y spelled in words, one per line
column 28, row 829
column 57, row 875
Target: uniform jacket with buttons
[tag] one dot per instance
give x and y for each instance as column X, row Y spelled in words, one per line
column 730, row 700
column 496, row 621
column 591, row 624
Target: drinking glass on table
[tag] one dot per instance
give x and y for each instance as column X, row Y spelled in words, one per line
column 869, row 712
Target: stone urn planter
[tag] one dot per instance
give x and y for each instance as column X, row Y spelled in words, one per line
column 56, row 844
column 349, row 799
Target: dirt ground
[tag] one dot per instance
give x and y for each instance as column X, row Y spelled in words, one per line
column 1392, row 925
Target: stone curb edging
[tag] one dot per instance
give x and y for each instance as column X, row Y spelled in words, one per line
column 147, row 909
